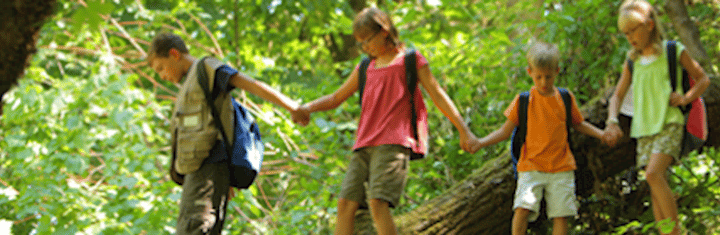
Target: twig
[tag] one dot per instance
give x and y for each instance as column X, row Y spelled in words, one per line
column 267, row 202
column 127, row 36
column 106, row 42
column 212, row 37
column 5, row 183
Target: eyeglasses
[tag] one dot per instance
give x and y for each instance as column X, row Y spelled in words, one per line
column 366, row 41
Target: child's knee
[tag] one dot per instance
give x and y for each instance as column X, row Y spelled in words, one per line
column 522, row 212
column 347, row 205
column 560, row 220
column 378, row 203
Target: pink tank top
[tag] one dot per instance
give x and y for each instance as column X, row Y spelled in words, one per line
column 386, row 111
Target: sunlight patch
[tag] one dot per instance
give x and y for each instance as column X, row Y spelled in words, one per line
column 10, row 193
column 5, row 226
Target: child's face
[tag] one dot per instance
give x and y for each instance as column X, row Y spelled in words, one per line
column 371, row 42
column 543, row 78
column 169, row 68
column 637, row 30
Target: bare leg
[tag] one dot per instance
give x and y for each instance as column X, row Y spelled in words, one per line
column 560, row 226
column 384, row 223
column 520, row 221
column 660, row 189
column 345, row 224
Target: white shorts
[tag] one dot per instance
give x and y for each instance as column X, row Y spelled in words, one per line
column 558, row 189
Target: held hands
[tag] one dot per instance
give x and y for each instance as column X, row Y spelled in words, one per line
column 612, row 134
column 469, row 143
column 301, row 115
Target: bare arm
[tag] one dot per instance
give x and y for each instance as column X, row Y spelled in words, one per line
column 498, row 135
column 446, row 106
column 589, row 129
column 334, row 100
column 262, row 90
column 620, row 91
column 701, row 80
column 612, row 132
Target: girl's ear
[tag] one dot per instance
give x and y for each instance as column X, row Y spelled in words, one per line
column 650, row 22
column 528, row 69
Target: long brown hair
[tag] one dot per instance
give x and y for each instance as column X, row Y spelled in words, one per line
column 371, row 20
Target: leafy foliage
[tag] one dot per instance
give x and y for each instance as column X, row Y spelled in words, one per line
column 85, row 141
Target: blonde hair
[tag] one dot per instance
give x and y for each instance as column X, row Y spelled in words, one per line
column 543, row 55
column 630, row 11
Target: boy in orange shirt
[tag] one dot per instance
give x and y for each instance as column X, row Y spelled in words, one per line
column 546, row 165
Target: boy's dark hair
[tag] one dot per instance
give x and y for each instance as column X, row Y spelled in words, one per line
column 163, row 42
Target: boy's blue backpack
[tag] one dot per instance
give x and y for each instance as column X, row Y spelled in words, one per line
column 520, row 132
column 246, row 151
column 696, row 129
column 411, row 79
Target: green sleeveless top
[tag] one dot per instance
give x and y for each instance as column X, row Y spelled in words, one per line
column 651, row 95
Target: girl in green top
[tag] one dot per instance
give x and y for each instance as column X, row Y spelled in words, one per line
column 657, row 121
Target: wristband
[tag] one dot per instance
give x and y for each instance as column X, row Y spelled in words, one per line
column 613, row 120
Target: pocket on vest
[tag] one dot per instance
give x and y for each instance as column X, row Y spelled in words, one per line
column 192, row 148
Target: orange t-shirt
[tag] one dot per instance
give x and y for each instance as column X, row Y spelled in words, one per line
column 546, row 148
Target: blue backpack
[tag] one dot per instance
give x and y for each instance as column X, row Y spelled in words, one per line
column 520, row 132
column 246, row 151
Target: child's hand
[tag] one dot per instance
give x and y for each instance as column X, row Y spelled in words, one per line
column 611, row 135
column 301, row 115
column 470, row 144
column 677, row 100
column 476, row 145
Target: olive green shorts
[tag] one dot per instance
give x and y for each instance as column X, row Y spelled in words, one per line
column 667, row 141
column 378, row 172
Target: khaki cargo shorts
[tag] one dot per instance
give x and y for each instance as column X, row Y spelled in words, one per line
column 558, row 189
column 378, row 172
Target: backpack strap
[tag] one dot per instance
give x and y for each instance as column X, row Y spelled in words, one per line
column 210, row 98
column 411, row 79
column 568, row 111
column 362, row 76
column 521, row 130
column 672, row 63
column 671, row 50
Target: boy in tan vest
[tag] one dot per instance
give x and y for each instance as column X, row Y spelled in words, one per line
column 204, row 176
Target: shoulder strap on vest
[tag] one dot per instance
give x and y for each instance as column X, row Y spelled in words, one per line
column 209, row 98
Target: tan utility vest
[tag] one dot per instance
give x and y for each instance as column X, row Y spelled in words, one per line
column 193, row 129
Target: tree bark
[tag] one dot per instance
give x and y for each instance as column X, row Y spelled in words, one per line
column 688, row 31
column 481, row 204
column 20, row 22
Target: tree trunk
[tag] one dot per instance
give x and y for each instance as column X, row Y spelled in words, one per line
column 688, row 31
column 20, row 22
column 481, row 204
